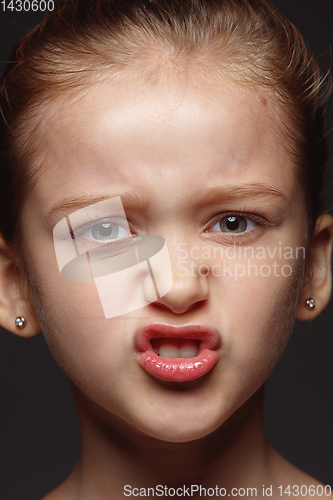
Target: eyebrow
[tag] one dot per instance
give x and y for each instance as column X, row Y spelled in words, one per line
column 234, row 192
column 74, row 203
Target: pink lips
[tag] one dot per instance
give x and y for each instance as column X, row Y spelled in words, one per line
column 177, row 369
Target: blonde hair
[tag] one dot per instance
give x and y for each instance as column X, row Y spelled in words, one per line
column 83, row 40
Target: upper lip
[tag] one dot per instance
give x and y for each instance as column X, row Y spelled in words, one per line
column 208, row 336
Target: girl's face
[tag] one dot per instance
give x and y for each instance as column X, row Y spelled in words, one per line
column 205, row 167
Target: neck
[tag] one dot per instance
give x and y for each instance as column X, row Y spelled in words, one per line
column 114, row 454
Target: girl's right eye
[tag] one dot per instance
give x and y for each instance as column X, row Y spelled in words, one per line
column 104, row 231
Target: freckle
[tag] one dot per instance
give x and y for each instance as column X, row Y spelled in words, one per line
column 263, row 100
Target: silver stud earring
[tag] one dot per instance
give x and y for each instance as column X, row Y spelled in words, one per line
column 20, row 322
column 310, row 304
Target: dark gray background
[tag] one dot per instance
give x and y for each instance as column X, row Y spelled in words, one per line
column 39, row 440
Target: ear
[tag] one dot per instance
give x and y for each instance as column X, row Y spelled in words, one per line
column 318, row 279
column 12, row 303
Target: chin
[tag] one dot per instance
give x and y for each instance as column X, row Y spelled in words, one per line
column 175, row 430
column 180, row 436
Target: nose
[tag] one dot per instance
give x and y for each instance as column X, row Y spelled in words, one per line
column 190, row 286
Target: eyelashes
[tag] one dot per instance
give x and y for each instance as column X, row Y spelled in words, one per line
column 104, row 230
column 237, row 223
column 233, row 224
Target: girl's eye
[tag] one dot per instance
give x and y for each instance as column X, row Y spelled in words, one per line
column 233, row 224
column 106, row 231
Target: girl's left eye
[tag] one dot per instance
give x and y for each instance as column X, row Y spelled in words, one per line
column 233, row 224
column 106, row 231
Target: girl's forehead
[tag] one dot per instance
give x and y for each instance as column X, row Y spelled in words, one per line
column 185, row 93
column 174, row 107
column 166, row 132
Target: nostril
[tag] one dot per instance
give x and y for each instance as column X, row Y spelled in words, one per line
column 204, row 270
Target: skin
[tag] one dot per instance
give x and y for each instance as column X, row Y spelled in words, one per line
column 171, row 144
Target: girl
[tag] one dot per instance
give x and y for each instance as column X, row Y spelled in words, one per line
column 161, row 223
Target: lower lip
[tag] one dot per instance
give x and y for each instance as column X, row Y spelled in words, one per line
column 178, row 369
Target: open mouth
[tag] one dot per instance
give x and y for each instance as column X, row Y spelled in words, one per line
column 177, row 353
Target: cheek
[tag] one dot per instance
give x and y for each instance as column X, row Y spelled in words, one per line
column 75, row 328
column 257, row 312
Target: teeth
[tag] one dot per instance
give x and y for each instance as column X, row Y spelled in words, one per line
column 188, row 351
column 170, row 351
